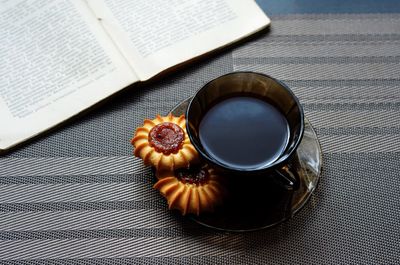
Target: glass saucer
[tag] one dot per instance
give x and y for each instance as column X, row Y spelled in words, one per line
column 256, row 203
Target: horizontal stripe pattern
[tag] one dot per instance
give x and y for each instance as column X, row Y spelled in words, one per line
column 293, row 48
column 98, row 233
column 344, row 16
column 158, row 203
column 121, row 247
column 70, row 166
column 179, row 230
column 327, row 71
column 346, row 91
column 360, row 143
column 359, row 131
column 89, row 192
column 387, row 106
column 351, row 119
column 276, row 7
column 118, row 178
column 78, row 220
column 341, row 83
column 369, row 39
column 204, row 260
column 321, row 25
column 318, row 60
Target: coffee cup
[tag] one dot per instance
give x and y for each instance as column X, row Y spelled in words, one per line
column 247, row 124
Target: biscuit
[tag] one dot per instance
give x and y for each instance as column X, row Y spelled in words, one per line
column 191, row 191
column 164, row 143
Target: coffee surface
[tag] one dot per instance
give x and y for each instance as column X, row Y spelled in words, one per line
column 244, row 132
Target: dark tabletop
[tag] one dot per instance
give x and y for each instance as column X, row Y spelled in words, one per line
column 77, row 195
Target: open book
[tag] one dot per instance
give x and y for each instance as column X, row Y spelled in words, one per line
column 59, row 57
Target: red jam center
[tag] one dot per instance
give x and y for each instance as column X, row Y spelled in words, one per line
column 166, row 138
column 193, row 175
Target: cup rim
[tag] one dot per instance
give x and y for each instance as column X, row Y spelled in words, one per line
column 278, row 162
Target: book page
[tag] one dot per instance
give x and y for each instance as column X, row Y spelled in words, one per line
column 158, row 34
column 56, row 61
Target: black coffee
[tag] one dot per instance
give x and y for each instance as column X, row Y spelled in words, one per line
column 244, row 132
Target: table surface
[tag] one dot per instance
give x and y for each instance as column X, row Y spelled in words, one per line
column 77, row 195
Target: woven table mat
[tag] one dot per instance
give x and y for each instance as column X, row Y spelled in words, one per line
column 77, row 195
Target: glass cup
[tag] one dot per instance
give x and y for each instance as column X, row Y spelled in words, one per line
column 262, row 87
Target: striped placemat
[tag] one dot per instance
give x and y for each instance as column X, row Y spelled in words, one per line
column 78, row 196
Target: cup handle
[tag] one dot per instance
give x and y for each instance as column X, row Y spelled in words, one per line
column 288, row 177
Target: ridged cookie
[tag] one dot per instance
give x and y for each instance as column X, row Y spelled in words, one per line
column 164, row 143
column 193, row 193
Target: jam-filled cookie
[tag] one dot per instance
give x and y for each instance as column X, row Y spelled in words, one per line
column 194, row 190
column 164, row 143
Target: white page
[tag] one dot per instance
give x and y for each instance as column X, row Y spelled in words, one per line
column 155, row 35
column 56, row 61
